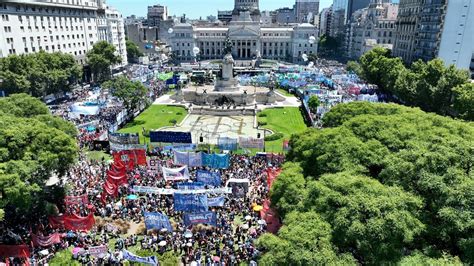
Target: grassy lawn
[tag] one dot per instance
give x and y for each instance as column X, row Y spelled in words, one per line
column 98, row 155
column 155, row 117
column 285, row 93
column 287, row 121
column 64, row 258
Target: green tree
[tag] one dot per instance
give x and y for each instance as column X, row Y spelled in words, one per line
column 30, row 152
column 354, row 67
column 372, row 220
column 390, row 180
column 305, row 239
column 133, row 52
column 329, row 46
column 132, row 93
column 39, row 74
column 464, row 101
column 101, row 58
column 314, row 103
column 423, row 260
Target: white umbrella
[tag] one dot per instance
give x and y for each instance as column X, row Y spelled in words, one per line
column 188, row 234
column 189, row 244
column 163, row 230
column 248, row 217
column 162, row 244
column 193, row 263
column 261, row 222
column 44, row 252
column 245, row 226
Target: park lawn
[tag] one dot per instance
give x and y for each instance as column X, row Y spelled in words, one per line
column 155, row 117
column 285, row 93
column 287, row 121
column 97, row 156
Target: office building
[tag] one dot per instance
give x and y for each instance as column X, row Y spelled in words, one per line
column 156, row 14
column 306, row 10
column 325, row 21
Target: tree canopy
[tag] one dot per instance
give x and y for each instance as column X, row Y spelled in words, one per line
column 131, row 93
column 394, row 184
column 314, row 103
column 39, row 74
column 133, row 52
column 429, row 85
column 33, row 146
column 101, row 58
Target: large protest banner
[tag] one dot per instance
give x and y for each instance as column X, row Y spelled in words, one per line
column 171, row 191
column 97, row 251
column 170, row 137
column 156, row 220
column 251, row 143
column 130, row 158
column 124, row 138
column 216, row 161
column 226, row 143
column 127, row 255
column 190, row 186
column 72, row 222
column 191, row 159
column 45, row 241
column 180, row 147
column 240, row 187
column 190, row 202
column 15, row 251
column 272, row 174
column 208, row 218
column 215, row 202
column 176, row 174
column 123, row 147
column 209, row 178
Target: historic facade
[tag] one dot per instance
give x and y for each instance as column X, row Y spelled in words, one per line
column 250, row 38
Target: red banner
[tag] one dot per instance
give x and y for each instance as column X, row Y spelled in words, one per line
column 270, row 217
column 130, row 158
column 110, row 188
column 46, row 241
column 272, row 174
column 74, row 200
column 72, row 222
column 17, row 251
column 117, row 180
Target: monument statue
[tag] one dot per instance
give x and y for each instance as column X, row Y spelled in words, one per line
column 228, row 46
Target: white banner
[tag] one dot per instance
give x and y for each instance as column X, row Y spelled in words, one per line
column 177, row 174
column 166, row 191
column 251, row 143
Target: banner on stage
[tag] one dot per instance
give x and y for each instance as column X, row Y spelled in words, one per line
column 127, row 255
column 176, row 174
column 190, row 202
column 46, row 241
column 215, row 202
column 170, row 137
column 97, row 251
column 208, row 218
column 209, row 178
column 124, row 138
column 191, row 159
column 216, row 161
column 155, row 220
column 251, row 143
column 226, row 143
column 190, row 186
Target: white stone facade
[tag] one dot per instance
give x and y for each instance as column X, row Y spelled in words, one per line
column 68, row 26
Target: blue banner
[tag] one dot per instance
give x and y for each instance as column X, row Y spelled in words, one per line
column 216, row 161
column 170, row 137
column 226, row 143
column 209, row 178
column 215, row 202
column 155, row 220
column 127, row 255
column 190, row 202
column 180, row 147
column 208, row 218
column 190, row 186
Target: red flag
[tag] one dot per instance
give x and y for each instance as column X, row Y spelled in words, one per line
column 46, row 241
column 16, row 251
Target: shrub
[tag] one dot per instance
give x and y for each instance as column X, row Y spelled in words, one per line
column 275, row 136
column 262, row 123
column 262, row 115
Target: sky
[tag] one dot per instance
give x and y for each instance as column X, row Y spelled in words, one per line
column 196, row 8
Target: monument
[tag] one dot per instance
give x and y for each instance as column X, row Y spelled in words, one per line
column 226, row 90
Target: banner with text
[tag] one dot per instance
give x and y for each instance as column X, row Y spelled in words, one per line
column 124, row 138
column 251, row 143
column 216, row 161
column 127, row 255
column 215, row 202
column 191, row 159
column 170, row 191
column 170, row 137
column 176, row 174
column 226, row 143
column 209, row 178
column 208, row 218
column 190, row 202
column 98, row 251
column 190, row 186
column 156, row 220
column 45, row 241
column 76, row 200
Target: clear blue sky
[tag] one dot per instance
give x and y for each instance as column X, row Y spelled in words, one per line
column 196, row 8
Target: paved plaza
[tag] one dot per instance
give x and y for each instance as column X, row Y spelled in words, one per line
column 213, row 127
